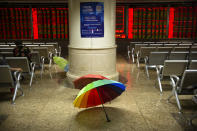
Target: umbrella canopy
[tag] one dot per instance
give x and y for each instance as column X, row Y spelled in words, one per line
column 85, row 80
column 61, row 62
column 66, row 68
column 98, row 92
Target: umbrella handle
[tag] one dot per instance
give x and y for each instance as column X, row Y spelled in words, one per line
column 108, row 120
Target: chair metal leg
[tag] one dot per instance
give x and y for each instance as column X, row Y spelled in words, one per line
column 177, row 101
column 159, row 83
column 15, row 93
column 19, row 86
column 173, row 89
column 170, row 97
column 133, row 59
column 159, row 80
column 133, row 55
column 138, row 63
column 50, row 63
column 194, row 116
column 146, row 69
column 21, row 91
column 42, row 66
column 172, row 94
column 17, row 76
column 128, row 53
column 32, row 75
column 41, row 71
column 137, row 60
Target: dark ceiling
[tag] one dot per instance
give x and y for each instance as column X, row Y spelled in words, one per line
column 118, row 1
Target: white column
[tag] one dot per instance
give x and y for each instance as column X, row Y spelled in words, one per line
column 92, row 55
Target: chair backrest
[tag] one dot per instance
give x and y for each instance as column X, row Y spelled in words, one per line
column 128, row 48
column 19, row 62
column 145, row 51
column 170, row 45
column 161, row 42
column 157, row 58
column 148, row 42
column 174, row 42
column 135, row 42
column 6, row 76
column 178, row 55
column 155, row 45
column 193, row 64
column 6, row 49
column 31, row 46
column 2, row 43
column 185, row 44
column 193, row 55
column 138, row 46
column 193, row 48
column 174, row 67
column 27, row 43
column 50, row 47
column 4, row 46
column 168, row 49
column 42, row 50
column 7, row 54
column 189, row 78
column 35, row 57
column 38, row 43
column 182, row 48
column 51, row 43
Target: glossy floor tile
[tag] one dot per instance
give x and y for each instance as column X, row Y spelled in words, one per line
column 47, row 105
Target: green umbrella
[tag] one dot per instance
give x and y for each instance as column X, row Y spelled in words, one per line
column 61, row 62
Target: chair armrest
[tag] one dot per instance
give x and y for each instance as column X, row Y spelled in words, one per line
column 17, row 75
column 56, row 52
column 32, row 65
column 175, row 81
column 128, row 48
column 42, row 59
column 137, row 54
column 133, row 50
column 158, row 70
column 160, row 67
column 146, row 60
column 50, row 55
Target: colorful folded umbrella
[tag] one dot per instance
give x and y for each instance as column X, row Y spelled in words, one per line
column 98, row 92
column 61, row 62
column 84, row 80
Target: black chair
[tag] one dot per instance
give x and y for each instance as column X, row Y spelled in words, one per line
column 154, row 59
column 8, row 81
column 181, row 86
column 170, row 68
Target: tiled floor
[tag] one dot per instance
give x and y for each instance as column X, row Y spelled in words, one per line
column 48, row 106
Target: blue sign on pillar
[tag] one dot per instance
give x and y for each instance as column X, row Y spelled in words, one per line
column 92, row 19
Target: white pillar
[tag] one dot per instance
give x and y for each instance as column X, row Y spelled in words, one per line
column 92, row 55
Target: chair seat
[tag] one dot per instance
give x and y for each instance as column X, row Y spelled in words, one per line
column 5, row 85
column 186, row 92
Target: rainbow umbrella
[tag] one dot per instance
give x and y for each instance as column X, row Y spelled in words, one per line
column 61, row 62
column 86, row 79
column 98, row 92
